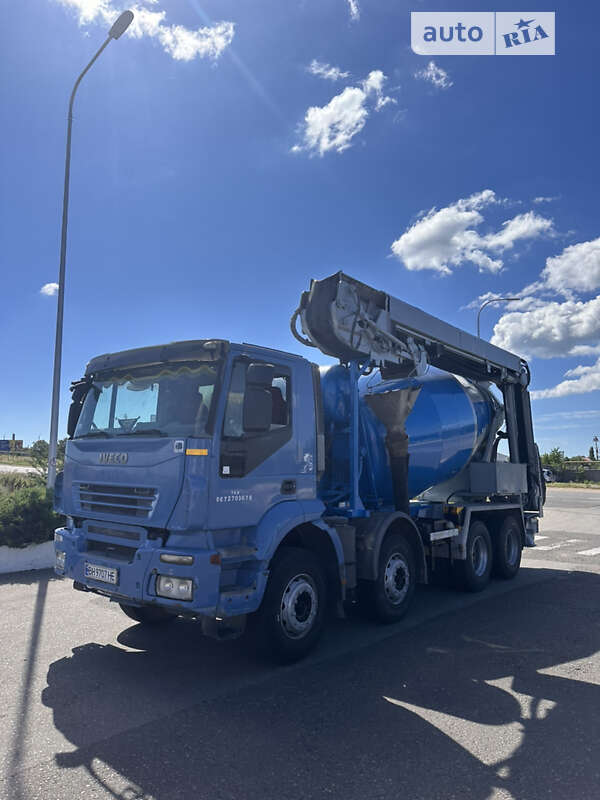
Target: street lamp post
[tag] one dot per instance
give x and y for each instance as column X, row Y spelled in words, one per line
column 487, row 302
column 117, row 30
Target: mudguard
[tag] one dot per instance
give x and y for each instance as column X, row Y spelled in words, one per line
column 284, row 517
column 270, row 532
column 370, row 535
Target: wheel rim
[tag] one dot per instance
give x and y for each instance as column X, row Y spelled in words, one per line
column 299, row 605
column 479, row 556
column 512, row 548
column 396, row 580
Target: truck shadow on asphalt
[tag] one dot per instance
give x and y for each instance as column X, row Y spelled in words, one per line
column 464, row 705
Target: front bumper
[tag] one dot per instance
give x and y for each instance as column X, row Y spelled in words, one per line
column 138, row 564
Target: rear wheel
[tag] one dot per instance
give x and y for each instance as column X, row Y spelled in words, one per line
column 292, row 615
column 148, row 615
column 475, row 571
column 389, row 596
column 508, row 546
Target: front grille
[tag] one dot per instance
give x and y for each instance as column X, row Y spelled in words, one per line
column 117, row 552
column 118, row 534
column 130, row 501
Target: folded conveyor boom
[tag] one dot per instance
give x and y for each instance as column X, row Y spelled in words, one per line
column 349, row 320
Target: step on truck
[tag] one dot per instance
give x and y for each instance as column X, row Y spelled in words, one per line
column 245, row 487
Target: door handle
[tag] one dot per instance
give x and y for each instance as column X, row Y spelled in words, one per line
column 288, row 487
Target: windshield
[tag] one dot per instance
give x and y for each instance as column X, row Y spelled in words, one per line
column 168, row 402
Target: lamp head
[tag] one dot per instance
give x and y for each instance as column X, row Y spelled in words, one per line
column 120, row 26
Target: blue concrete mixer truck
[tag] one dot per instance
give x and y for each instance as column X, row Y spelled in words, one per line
column 245, row 487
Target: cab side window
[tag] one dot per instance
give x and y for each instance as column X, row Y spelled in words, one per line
column 243, row 449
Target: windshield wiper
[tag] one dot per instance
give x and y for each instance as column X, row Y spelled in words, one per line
column 144, row 432
column 91, row 434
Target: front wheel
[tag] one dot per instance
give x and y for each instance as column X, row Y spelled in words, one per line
column 148, row 615
column 389, row 596
column 292, row 615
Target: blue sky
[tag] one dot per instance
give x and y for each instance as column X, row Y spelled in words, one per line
column 215, row 171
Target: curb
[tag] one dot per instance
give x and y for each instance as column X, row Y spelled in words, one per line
column 22, row 559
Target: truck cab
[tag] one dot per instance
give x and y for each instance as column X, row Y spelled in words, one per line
column 188, row 465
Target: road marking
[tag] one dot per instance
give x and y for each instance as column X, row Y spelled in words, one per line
column 556, row 546
column 539, row 538
column 595, row 551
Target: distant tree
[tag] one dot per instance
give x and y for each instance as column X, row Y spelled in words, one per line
column 555, row 458
column 592, row 454
column 39, row 456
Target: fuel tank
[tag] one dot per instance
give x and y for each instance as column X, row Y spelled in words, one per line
column 449, row 420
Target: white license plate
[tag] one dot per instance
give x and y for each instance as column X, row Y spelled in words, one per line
column 104, row 574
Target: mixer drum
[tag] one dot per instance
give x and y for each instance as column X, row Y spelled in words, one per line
column 450, row 420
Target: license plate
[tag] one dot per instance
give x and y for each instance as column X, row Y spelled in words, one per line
column 99, row 573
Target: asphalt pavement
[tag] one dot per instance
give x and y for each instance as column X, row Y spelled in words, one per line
column 494, row 695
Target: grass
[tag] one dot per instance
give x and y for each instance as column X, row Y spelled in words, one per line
column 575, row 485
column 14, row 481
column 15, row 461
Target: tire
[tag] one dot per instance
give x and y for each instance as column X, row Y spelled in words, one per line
column 291, row 618
column 476, row 570
column 389, row 596
column 508, row 546
column 147, row 615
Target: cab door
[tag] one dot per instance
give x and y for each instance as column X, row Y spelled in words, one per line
column 260, row 461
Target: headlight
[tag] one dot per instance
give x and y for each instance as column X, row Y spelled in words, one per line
column 60, row 560
column 175, row 588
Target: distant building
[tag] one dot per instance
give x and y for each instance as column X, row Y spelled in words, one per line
column 11, row 445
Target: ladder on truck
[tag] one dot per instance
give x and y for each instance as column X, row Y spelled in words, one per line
column 362, row 326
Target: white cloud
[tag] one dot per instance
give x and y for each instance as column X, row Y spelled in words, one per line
column 182, row 44
column 435, row 75
column 445, row 238
column 146, row 23
column 333, row 126
column 483, row 298
column 581, row 414
column 523, row 226
column 373, row 84
column 354, row 10
column 542, row 199
column 90, row 10
column 585, row 350
column 49, row 289
column 550, row 330
column 587, row 380
column 539, row 326
column 577, row 267
column 520, row 304
column 326, row 71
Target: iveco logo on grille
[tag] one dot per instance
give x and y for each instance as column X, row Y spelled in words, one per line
column 112, row 458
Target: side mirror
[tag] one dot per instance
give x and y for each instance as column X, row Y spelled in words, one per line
column 74, row 412
column 79, row 390
column 260, row 375
column 258, row 409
